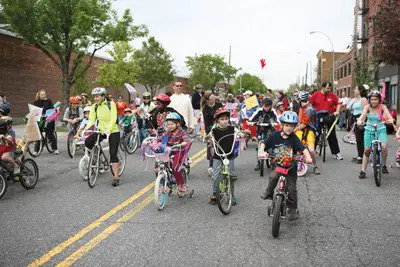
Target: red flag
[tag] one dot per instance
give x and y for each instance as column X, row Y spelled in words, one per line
column 263, row 64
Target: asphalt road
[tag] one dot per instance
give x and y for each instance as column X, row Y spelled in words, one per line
column 344, row 221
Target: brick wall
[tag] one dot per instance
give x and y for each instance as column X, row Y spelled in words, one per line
column 24, row 70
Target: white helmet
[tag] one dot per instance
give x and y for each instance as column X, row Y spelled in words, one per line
column 99, row 91
column 86, row 109
column 248, row 92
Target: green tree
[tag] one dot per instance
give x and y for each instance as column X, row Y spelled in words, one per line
column 67, row 30
column 208, row 70
column 82, row 83
column 154, row 66
column 122, row 70
column 366, row 72
column 249, row 82
column 2, row 17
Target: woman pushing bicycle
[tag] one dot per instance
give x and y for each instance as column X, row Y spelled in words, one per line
column 104, row 112
column 378, row 114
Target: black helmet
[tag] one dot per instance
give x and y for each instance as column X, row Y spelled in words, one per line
column 4, row 109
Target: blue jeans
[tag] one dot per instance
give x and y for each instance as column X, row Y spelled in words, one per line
column 217, row 167
column 342, row 119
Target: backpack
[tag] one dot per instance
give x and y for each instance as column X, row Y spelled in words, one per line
column 314, row 123
column 109, row 107
column 73, row 115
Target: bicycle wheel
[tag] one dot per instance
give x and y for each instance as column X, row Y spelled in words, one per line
column 131, row 142
column 224, row 194
column 48, row 143
column 71, row 145
column 29, row 174
column 349, row 139
column 161, row 191
column 261, row 167
column 301, row 168
column 276, row 219
column 35, row 148
column 3, row 186
column 122, row 160
column 94, row 165
column 377, row 165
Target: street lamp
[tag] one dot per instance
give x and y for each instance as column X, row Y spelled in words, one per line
column 333, row 59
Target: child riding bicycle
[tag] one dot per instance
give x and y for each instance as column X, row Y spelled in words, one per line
column 73, row 114
column 306, row 129
column 376, row 113
column 7, row 144
column 264, row 115
column 285, row 145
column 223, row 135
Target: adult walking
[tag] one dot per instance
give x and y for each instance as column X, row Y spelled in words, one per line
column 196, row 98
column 45, row 103
column 121, row 106
column 183, row 105
column 360, row 94
column 104, row 112
column 344, row 101
column 327, row 104
column 208, row 108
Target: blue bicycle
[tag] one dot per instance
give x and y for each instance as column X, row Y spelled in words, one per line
column 376, row 157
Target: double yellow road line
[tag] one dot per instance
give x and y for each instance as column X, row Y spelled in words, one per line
column 196, row 158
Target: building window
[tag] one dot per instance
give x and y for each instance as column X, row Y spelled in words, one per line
column 394, row 95
column 349, row 69
column 341, row 73
column 345, row 71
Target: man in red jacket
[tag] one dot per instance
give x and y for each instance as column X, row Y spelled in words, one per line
column 327, row 103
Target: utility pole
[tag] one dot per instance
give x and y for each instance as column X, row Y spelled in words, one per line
column 305, row 84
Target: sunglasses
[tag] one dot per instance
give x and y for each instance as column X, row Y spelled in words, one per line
column 178, row 85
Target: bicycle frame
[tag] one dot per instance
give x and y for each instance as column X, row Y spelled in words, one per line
column 281, row 191
column 376, row 141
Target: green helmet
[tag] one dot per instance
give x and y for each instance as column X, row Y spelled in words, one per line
column 145, row 94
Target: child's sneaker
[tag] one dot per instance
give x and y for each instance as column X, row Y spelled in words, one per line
column 210, row 171
column 362, row 175
column 234, row 201
column 17, row 170
column 293, row 214
column 213, row 200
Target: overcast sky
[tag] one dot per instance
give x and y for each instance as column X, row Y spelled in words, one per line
column 278, row 31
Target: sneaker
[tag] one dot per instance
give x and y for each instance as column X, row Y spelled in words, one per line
column 115, row 182
column 234, row 201
column 316, row 170
column 359, row 160
column 338, row 156
column 101, row 169
column 385, row 169
column 17, row 170
column 56, row 152
column 266, row 195
column 234, row 177
column 398, row 164
column 210, row 171
column 362, row 175
column 257, row 168
column 293, row 214
column 213, row 200
column 183, row 188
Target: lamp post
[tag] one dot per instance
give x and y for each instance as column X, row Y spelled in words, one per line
column 333, row 59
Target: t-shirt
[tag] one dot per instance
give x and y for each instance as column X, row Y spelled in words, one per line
column 183, row 105
column 284, row 148
column 208, row 115
column 7, row 145
column 227, row 141
column 306, row 116
column 121, row 106
column 327, row 102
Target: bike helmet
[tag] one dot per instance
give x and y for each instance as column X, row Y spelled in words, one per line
column 74, row 100
column 289, row 117
column 198, row 86
column 4, row 126
column 86, row 109
column 267, row 102
column 128, row 110
column 163, row 98
column 99, row 91
column 173, row 116
column 248, row 92
column 375, row 93
column 4, row 109
column 146, row 94
column 279, row 104
column 220, row 112
column 303, row 96
column 84, row 94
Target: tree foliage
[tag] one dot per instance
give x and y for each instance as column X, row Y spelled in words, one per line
column 249, row 82
column 365, row 72
column 122, row 70
column 67, row 30
column 208, row 70
column 154, row 66
column 387, row 32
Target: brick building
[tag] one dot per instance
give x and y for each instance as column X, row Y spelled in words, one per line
column 388, row 74
column 344, row 68
column 324, row 67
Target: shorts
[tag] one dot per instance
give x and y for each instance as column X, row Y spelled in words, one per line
column 309, row 140
column 369, row 136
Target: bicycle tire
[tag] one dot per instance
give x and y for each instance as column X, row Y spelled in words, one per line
column 301, row 169
column 131, row 142
column 324, row 150
column 70, row 145
column 160, row 191
column 349, row 139
column 122, row 159
column 3, row 186
column 224, row 194
column 32, row 172
column 31, row 148
column 377, row 166
column 48, row 144
column 261, row 167
column 276, row 219
column 94, row 166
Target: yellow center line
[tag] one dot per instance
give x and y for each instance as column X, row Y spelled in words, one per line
column 109, row 230
column 103, row 235
column 198, row 154
column 62, row 246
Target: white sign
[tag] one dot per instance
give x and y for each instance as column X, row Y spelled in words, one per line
column 37, row 112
